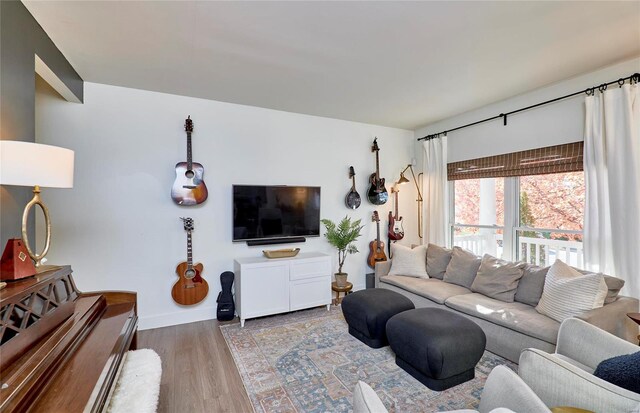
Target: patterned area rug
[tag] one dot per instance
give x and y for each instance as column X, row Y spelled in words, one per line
column 308, row 362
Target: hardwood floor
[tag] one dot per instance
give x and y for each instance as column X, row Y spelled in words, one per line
column 198, row 372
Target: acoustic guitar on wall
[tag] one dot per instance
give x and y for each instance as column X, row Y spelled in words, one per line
column 376, row 247
column 377, row 193
column 189, row 187
column 190, row 288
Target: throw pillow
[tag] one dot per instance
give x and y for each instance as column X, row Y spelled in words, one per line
column 462, row 268
column 531, row 285
column 623, row 371
column 498, row 278
column 614, row 285
column 365, row 400
column 568, row 293
column 408, row 262
column 437, row 260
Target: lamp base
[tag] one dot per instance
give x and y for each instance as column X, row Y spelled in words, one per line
column 44, row 268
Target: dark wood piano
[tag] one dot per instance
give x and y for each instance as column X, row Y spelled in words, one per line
column 61, row 350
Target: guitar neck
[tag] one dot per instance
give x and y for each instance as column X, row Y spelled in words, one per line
column 378, row 232
column 353, row 183
column 189, row 159
column 189, row 251
column 377, row 167
column 396, row 207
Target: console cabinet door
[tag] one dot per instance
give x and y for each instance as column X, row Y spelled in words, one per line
column 310, row 292
column 265, row 290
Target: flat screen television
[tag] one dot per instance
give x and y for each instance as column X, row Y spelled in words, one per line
column 262, row 212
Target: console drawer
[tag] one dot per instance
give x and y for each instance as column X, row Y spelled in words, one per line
column 310, row 269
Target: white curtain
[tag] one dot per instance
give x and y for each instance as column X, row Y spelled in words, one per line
column 612, row 173
column 435, row 192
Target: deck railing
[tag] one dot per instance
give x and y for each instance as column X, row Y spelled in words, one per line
column 539, row 251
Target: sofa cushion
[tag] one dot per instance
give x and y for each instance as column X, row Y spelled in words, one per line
column 462, row 268
column 531, row 284
column 431, row 288
column 568, row 293
column 514, row 316
column 410, row 262
column 498, row 278
column 437, row 260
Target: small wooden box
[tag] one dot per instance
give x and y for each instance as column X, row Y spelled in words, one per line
column 16, row 263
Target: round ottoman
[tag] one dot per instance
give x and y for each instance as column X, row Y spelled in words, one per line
column 367, row 313
column 438, row 347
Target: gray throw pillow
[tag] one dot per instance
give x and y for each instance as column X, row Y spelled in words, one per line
column 531, row 285
column 498, row 278
column 437, row 260
column 614, row 285
column 462, row 268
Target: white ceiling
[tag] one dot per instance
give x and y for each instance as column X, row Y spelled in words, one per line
column 401, row 64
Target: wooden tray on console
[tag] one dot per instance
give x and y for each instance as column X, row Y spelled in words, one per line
column 285, row 253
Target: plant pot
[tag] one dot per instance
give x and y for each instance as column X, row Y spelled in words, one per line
column 341, row 279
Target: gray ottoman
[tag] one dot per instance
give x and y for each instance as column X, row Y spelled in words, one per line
column 367, row 313
column 438, row 347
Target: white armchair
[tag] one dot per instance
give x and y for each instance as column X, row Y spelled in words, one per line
column 504, row 392
column 565, row 378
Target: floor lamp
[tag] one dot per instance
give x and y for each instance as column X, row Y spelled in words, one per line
column 404, row 180
column 36, row 165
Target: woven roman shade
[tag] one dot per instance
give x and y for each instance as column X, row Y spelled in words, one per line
column 549, row 160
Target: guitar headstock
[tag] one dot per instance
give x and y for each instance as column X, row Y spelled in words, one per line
column 188, row 224
column 188, row 124
column 375, row 217
column 352, row 172
column 375, row 147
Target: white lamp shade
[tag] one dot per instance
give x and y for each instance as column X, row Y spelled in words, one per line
column 31, row 164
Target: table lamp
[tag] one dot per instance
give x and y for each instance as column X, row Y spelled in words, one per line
column 35, row 165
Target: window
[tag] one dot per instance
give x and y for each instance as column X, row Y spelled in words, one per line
column 551, row 218
column 526, row 206
column 479, row 215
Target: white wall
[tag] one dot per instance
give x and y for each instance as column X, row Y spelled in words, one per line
column 554, row 124
column 119, row 228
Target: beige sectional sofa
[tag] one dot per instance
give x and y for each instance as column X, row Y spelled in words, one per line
column 510, row 327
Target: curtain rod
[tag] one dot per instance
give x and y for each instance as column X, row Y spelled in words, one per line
column 634, row 78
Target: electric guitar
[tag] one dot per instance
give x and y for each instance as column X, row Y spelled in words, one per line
column 396, row 229
column 189, row 187
column 190, row 288
column 377, row 194
column 376, row 247
column 353, row 197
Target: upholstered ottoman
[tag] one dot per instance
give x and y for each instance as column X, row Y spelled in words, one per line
column 438, row 347
column 367, row 313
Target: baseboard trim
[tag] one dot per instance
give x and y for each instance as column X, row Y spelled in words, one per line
column 180, row 317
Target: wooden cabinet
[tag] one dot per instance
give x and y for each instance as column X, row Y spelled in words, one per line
column 272, row 286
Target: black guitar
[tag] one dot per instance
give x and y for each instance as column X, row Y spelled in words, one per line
column 226, row 306
column 377, row 194
column 353, row 197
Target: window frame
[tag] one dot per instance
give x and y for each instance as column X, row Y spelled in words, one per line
column 511, row 225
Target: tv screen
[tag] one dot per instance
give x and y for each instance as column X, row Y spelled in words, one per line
column 263, row 212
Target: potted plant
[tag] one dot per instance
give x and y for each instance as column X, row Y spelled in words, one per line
column 342, row 237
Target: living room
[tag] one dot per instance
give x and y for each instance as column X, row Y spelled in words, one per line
column 418, row 108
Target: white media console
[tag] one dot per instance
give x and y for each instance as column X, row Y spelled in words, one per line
column 270, row 286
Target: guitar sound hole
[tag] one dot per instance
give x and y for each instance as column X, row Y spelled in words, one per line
column 189, row 174
column 189, row 274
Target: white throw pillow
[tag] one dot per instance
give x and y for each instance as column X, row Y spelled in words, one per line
column 409, row 262
column 568, row 293
column 365, row 400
